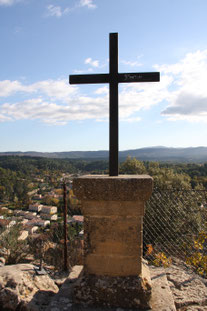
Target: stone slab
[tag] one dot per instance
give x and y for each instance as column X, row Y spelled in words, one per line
column 113, row 188
column 162, row 298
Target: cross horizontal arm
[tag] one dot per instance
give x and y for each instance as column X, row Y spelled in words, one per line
column 139, row 77
column 86, row 79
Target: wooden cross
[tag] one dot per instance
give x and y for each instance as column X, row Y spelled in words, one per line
column 114, row 78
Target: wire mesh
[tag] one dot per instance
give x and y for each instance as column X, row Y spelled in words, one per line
column 173, row 220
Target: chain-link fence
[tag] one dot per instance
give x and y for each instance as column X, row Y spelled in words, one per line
column 175, row 225
column 173, row 221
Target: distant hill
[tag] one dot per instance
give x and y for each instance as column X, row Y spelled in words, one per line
column 164, row 154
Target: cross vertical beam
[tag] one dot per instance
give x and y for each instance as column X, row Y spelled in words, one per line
column 113, row 106
column 114, row 78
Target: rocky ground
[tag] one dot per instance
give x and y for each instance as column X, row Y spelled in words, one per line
column 21, row 289
column 188, row 289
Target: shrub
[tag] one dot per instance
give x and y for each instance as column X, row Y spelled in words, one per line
column 198, row 258
column 15, row 251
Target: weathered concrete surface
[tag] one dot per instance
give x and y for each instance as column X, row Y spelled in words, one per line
column 113, row 188
column 161, row 295
column 107, row 291
column 177, row 285
column 113, row 245
column 113, row 209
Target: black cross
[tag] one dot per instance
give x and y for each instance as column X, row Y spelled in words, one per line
column 114, row 78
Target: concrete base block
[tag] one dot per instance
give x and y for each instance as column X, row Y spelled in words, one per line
column 162, row 298
column 122, row 292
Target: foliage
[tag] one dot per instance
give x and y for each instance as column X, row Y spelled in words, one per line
column 22, row 170
column 38, row 246
column 57, row 232
column 49, row 246
column 13, row 187
column 73, row 204
column 198, row 250
column 49, row 200
column 29, row 166
column 164, row 177
column 157, row 258
column 182, row 210
column 132, row 166
column 15, row 250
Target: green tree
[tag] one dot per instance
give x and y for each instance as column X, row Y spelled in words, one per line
column 132, row 166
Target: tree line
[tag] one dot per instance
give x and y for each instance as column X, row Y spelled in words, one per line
column 18, row 173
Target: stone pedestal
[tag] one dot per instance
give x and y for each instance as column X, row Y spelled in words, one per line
column 113, row 209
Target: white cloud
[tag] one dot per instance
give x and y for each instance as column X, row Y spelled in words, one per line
column 8, row 87
column 188, row 104
column 102, row 90
column 131, row 63
column 53, row 113
column 4, row 118
column 142, row 96
column 56, row 11
column 8, row 2
column 187, row 97
column 55, row 89
column 182, row 87
column 93, row 63
column 88, row 3
column 57, row 102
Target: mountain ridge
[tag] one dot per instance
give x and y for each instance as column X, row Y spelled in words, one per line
column 159, row 153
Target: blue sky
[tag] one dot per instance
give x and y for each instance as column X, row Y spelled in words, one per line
column 42, row 42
